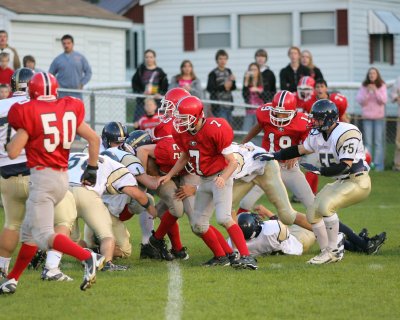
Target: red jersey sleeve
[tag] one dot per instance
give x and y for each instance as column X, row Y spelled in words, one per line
column 223, row 134
column 17, row 117
column 262, row 114
column 341, row 103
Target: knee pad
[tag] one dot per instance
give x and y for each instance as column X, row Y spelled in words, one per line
column 224, row 220
column 313, row 216
column 287, row 217
column 199, row 229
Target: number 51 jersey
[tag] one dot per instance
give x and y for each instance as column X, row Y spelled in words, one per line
column 51, row 126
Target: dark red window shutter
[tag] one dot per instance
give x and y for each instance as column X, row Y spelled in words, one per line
column 371, row 48
column 342, row 27
column 391, row 49
column 188, row 33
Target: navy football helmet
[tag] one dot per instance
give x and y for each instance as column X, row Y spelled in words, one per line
column 323, row 115
column 113, row 132
column 20, row 79
column 138, row 138
column 250, row 223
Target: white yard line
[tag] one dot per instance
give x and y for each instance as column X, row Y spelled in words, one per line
column 173, row 309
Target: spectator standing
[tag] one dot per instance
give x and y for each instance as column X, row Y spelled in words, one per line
column 291, row 74
column 307, row 61
column 14, row 62
column 30, row 62
column 5, row 91
column 187, row 80
column 5, row 71
column 150, row 80
column 268, row 77
column 372, row 97
column 221, row 83
column 71, row 68
column 253, row 93
column 396, row 98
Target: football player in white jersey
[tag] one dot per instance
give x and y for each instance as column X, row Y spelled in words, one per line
column 341, row 153
column 113, row 178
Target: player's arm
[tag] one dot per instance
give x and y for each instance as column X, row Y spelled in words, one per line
column 17, row 143
column 92, row 138
column 144, row 152
column 150, row 182
column 252, row 133
column 137, row 194
column 283, row 154
column 178, row 167
column 227, row 172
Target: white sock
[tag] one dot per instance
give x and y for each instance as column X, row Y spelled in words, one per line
column 320, row 232
column 4, row 264
column 332, row 229
column 147, row 225
column 53, row 259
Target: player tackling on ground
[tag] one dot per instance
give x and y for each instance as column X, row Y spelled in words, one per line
column 46, row 127
column 340, row 149
column 206, row 144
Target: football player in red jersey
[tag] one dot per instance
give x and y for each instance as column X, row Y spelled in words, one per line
column 46, row 127
column 305, row 94
column 284, row 127
column 206, row 145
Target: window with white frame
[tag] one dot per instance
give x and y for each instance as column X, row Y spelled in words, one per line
column 213, row 32
column 381, row 48
column 317, row 28
column 265, row 30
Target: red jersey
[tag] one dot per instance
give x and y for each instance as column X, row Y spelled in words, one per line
column 6, row 75
column 148, row 123
column 164, row 129
column 341, row 103
column 51, row 126
column 276, row 138
column 305, row 106
column 205, row 146
column 166, row 153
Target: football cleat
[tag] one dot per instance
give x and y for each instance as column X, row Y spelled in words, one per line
column 148, row 252
column 54, row 274
column 245, row 262
column 95, row 262
column 8, row 286
column 233, row 256
column 217, row 261
column 326, row 256
column 375, row 243
column 3, row 274
column 161, row 246
column 363, row 233
column 109, row 266
column 181, row 254
column 340, row 245
column 38, row 260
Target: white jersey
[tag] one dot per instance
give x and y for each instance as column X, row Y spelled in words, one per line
column 112, row 176
column 248, row 168
column 268, row 241
column 128, row 160
column 344, row 143
column 116, row 203
column 6, row 132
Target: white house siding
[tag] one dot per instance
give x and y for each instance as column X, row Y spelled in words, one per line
column 359, row 39
column 163, row 27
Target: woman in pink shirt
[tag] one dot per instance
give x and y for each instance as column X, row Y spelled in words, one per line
column 372, row 97
column 187, row 80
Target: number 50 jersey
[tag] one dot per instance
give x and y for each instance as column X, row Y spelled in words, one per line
column 51, row 126
column 112, row 176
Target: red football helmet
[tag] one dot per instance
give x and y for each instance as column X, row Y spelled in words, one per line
column 170, row 100
column 305, row 88
column 283, row 108
column 188, row 113
column 43, row 86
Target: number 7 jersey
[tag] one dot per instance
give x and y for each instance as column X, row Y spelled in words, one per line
column 51, row 126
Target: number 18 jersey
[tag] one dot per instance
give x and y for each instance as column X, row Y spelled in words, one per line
column 51, row 126
column 277, row 138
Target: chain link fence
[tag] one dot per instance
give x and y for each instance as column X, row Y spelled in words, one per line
column 117, row 104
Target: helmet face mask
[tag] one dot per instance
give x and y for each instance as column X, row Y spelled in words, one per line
column 170, row 101
column 187, row 114
column 283, row 108
column 184, row 122
column 20, row 79
column 305, row 92
column 281, row 117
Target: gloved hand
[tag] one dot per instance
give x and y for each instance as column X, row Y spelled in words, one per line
column 263, row 156
column 311, row 168
column 89, row 176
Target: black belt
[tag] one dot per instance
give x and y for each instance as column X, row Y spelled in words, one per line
column 23, row 174
column 355, row 175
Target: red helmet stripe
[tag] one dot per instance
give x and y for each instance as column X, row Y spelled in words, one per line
column 282, row 99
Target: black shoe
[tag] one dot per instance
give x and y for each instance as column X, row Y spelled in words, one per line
column 363, row 233
column 181, row 254
column 161, row 246
column 295, row 199
column 375, row 243
column 232, row 256
column 245, row 262
column 38, row 260
column 109, row 266
column 217, row 261
column 148, row 252
column 2, row 274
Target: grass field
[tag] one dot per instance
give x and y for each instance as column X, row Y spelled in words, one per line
column 284, row 287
